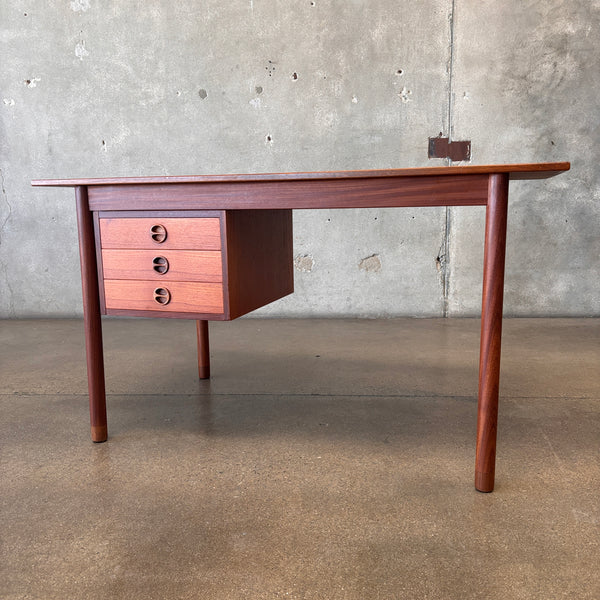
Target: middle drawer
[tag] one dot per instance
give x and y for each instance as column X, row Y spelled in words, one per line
column 172, row 265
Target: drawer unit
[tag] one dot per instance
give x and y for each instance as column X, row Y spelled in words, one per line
column 193, row 264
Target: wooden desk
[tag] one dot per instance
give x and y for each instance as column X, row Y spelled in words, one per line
column 218, row 246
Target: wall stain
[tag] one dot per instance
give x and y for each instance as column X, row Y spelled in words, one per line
column 304, row 263
column 80, row 5
column 370, row 264
column 80, row 50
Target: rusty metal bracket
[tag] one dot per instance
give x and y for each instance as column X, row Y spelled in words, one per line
column 442, row 147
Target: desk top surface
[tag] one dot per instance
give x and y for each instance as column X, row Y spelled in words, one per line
column 516, row 171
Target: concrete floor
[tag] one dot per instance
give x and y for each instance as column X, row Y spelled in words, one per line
column 324, row 460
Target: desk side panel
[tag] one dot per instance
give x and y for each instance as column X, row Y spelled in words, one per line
column 259, row 258
column 435, row 190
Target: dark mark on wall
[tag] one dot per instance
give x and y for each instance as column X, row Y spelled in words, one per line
column 294, row 76
column 258, row 89
column 270, row 68
column 440, row 261
column 442, row 147
column 399, row 72
column 202, row 93
column 405, row 94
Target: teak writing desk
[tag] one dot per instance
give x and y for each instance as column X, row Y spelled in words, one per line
column 218, row 246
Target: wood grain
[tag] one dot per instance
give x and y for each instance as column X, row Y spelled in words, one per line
column 259, row 258
column 91, row 318
column 491, row 332
column 183, row 265
column 515, row 171
column 203, row 349
column 439, row 190
column 182, row 233
column 193, row 297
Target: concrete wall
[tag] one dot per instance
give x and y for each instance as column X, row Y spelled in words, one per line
column 93, row 88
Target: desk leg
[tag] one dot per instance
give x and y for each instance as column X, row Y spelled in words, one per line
column 491, row 331
column 91, row 317
column 203, row 350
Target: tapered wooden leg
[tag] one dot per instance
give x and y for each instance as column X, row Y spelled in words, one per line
column 91, row 317
column 203, row 350
column 491, row 331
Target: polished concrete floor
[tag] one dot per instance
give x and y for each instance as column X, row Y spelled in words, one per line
column 325, row 459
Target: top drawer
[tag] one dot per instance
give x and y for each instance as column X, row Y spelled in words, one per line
column 159, row 232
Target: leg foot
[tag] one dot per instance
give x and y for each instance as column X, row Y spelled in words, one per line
column 484, row 482
column 99, row 434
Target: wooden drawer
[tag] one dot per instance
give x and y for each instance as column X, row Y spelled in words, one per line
column 161, row 232
column 170, row 265
column 214, row 264
column 173, row 296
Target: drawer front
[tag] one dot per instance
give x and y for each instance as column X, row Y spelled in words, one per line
column 171, row 265
column 173, row 296
column 158, row 232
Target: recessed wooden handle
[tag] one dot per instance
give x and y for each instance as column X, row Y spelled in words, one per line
column 162, row 296
column 158, row 233
column 160, row 264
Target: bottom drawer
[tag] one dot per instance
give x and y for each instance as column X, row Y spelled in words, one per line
column 174, row 296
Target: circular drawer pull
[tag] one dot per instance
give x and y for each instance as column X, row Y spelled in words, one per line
column 160, row 264
column 162, row 296
column 158, row 233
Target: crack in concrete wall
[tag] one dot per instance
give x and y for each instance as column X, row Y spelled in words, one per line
column 443, row 259
column 5, row 198
column 3, row 263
